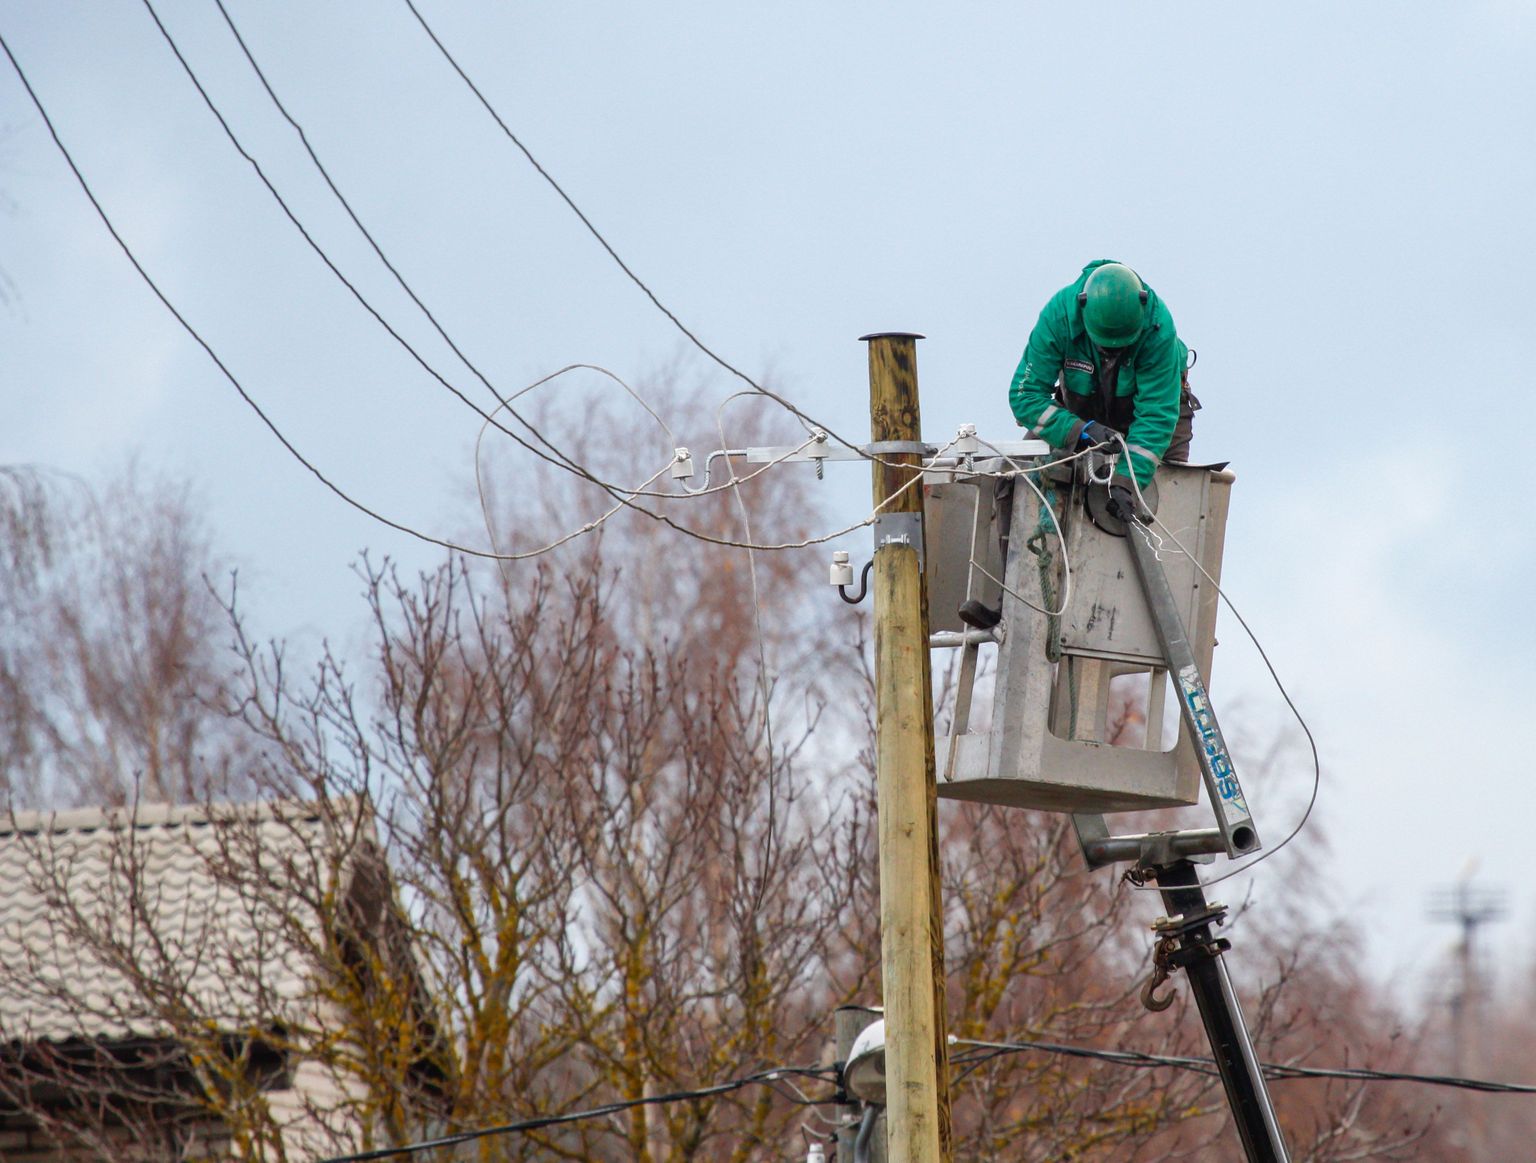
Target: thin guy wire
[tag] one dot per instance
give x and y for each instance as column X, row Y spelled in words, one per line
column 1317, row 763
column 641, row 490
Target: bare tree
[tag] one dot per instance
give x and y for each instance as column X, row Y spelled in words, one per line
column 601, row 825
column 112, row 645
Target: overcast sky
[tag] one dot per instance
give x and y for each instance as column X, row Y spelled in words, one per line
column 1335, row 201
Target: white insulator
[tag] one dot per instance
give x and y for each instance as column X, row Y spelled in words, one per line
column 842, row 572
column 966, row 443
column 682, row 464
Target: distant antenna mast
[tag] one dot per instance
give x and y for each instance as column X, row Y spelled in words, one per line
column 1468, row 906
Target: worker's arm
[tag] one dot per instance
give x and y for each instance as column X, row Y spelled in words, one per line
column 1159, row 376
column 1032, row 396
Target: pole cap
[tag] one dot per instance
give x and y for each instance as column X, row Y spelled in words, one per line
column 891, row 335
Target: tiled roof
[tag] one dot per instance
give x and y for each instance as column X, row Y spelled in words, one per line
column 117, row 924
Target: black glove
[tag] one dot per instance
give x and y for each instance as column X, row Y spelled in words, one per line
column 1095, row 433
column 1122, row 502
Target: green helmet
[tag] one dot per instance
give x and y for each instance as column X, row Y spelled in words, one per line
column 1112, row 300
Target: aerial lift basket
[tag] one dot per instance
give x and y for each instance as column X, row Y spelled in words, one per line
column 1044, row 744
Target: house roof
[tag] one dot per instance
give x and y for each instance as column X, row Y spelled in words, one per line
column 122, row 923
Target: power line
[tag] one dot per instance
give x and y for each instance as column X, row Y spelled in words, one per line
column 607, row 246
column 987, row 1051
column 373, row 243
column 192, row 331
column 617, row 492
column 763, row 1078
column 559, row 458
column 1272, row 1070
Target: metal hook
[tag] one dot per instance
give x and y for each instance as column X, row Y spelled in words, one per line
column 1161, row 971
column 1149, row 995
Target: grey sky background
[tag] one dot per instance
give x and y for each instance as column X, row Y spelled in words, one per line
column 1335, row 201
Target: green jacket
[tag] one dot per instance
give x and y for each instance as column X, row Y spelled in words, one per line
column 1147, row 391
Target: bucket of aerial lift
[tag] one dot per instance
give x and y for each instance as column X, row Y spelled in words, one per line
column 1045, row 742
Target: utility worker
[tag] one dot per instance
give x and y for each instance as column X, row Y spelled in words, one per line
column 1105, row 365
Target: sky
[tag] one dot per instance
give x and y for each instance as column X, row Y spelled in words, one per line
column 1334, row 200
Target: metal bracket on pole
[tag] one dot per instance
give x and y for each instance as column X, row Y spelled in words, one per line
column 900, row 529
column 898, row 447
column 824, row 449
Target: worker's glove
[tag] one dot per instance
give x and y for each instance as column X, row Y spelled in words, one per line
column 1095, row 433
column 1123, row 503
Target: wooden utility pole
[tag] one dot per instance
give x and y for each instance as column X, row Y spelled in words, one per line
column 911, row 918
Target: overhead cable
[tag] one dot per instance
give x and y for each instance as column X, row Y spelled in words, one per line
column 616, row 491
column 762, row 1078
column 1273, row 1070
column 555, row 456
column 604, row 243
column 984, row 1050
column 180, row 318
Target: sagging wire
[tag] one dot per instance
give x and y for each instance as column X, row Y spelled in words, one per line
column 1317, row 763
column 197, row 337
column 504, row 403
column 250, row 400
column 764, row 686
column 805, row 420
column 555, row 456
column 638, row 491
column 592, row 526
column 621, row 494
column 561, row 458
column 986, row 1051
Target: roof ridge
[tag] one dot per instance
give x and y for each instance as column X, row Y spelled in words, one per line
column 156, row 815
